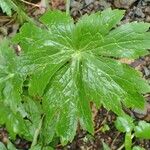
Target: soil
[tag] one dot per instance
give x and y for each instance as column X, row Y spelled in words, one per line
column 136, row 10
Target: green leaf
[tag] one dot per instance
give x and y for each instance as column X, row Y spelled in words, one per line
column 56, row 18
column 6, row 7
column 2, row 146
column 33, row 113
column 127, row 41
column 101, row 22
column 39, row 147
column 36, row 147
column 71, row 65
column 11, row 88
column 124, row 124
column 13, row 121
column 10, row 78
column 142, row 130
column 10, row 146
column 65, row 109
column 95, row 27
column 138, row 148
column 105, row 146
column 48, row 148
column 105, row 128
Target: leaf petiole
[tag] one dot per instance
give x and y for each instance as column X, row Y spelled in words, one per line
column 7, row 77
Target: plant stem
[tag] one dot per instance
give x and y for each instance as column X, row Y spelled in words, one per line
column 47, row 4
column 6, row 78
column 67, row 7
column 37, row 132
column 21, row 12
column 122, row 146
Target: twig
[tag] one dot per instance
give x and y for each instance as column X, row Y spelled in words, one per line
column 121, row 147
column 32, row 4
column 101, row 126
column 115, row 139
column 10, row 21
column 59, row 145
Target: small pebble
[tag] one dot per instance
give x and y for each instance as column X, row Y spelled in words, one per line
column 147, row 10
column 139, row 13
column 3, row 31
column 89, row 2
column 147, row 19
column 105, row 4
column 123, row 3
column 146, row 71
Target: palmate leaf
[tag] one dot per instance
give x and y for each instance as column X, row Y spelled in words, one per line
column 72, row 65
